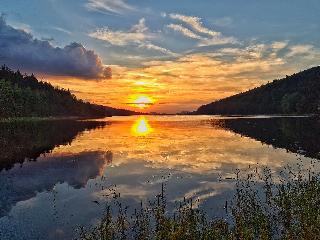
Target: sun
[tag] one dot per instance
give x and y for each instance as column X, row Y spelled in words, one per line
column 142, row 101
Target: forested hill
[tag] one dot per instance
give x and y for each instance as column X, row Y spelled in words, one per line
column 25, row 96
column 296, row 94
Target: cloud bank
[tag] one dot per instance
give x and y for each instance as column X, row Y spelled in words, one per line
column 19, row 49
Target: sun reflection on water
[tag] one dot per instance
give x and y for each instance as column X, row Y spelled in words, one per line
column 141, row 127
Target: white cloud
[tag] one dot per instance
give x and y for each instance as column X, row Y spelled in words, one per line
column 254, row 51
column 137, row 34
column 62, row 30
column 118, row 38
column 140, row 26
column 300, row 50
column 216, row 41
column 151, row 46
column 279, row 45
column 195, row 23
column 185, row 31
column 206, row 36
column 109, row 6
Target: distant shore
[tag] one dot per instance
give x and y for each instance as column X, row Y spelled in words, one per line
column 52, row 118
column 21, row 119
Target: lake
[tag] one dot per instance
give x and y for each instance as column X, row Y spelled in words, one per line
column 57, row 175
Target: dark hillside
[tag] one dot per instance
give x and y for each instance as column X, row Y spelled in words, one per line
column 296, row 94
column 25, row 96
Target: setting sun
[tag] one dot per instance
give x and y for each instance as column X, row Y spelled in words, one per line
column 142, row 101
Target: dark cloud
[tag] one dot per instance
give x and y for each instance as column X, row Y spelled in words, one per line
column 19, row 49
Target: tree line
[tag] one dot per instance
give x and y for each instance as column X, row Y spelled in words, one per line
column 296, row 94
column 26, row 96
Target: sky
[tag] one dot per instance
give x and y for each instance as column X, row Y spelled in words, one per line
column 159, row 56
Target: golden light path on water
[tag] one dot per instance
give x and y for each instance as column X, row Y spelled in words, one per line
column 186, row 143
column 141, row 127
column 194, row 148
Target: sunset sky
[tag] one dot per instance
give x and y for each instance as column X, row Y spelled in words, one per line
column 159, row 56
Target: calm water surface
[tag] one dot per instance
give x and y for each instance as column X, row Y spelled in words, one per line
column 57, row 175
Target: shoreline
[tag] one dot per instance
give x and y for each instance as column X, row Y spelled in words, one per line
column 22, row 119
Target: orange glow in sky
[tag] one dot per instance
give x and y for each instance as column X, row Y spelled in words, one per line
column 172, row 86
column 177, row 85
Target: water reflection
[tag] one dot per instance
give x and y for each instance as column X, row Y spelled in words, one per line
column 141, row 127
column 298, row 135
column 195, row 156
column 23, row 183
column 27, row 140
column 31, row 141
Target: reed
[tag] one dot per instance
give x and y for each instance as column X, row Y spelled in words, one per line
column 260, row 209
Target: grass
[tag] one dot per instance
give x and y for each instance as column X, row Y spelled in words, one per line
column 260, row 209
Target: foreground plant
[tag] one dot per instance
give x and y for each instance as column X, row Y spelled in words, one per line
column 286, row 210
